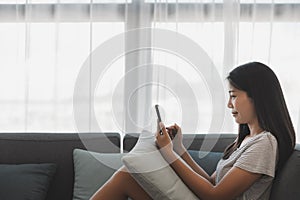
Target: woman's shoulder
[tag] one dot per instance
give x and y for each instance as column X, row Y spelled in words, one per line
column 265, row 139
column 267, row 136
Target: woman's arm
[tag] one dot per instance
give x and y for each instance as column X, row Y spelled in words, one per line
column 234, row 183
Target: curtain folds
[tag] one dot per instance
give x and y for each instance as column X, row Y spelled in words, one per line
column 97, row 65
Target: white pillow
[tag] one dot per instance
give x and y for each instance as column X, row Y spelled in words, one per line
column 153, row 173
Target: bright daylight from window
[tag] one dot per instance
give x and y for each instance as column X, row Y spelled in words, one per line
column 42, row 52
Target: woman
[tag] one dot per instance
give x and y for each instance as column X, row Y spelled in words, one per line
column 265, row 140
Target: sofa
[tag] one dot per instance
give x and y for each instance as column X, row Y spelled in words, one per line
column 58, row 149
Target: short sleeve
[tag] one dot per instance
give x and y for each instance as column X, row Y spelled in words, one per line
column 259, row 156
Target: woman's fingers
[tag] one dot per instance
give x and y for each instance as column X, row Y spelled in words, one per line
column 162, row 128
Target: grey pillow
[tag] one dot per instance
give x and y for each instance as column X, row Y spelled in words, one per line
column 92, row 170
column 25, row 181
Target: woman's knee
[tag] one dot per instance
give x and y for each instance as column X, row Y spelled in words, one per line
column 120, row 177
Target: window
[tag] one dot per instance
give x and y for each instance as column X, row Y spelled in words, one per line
column 44, row 45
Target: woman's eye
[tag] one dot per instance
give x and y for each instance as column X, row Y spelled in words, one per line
column 232, row 96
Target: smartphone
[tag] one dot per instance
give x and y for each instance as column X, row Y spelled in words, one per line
column 172, row 132
column 157, row 112
column 158, row 117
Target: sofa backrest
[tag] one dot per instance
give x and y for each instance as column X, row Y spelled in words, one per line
column 287, row 181
column 21, row 148
column 199, row 142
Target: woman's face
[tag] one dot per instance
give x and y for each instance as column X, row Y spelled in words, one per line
column 242, row 107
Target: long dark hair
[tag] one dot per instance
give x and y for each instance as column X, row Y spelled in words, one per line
column 262, row 86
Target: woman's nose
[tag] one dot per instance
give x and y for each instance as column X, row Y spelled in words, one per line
column 229, row 104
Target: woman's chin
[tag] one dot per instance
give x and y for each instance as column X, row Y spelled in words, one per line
column 237, row 121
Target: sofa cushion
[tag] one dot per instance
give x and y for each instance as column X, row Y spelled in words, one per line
column 212, row 142
column 25, row 181
column 286, row 182
column 92, row 170
column 207, row 160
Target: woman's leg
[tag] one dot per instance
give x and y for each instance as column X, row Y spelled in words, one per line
column 121, row 186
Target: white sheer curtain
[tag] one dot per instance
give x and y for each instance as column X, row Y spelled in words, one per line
column 46, row 44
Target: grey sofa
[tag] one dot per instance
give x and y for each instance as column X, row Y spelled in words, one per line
column 20, row 148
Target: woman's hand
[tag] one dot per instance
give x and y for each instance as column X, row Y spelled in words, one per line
column 163, row 141
column 177, row 140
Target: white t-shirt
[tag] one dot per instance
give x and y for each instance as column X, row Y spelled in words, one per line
column 257, row 154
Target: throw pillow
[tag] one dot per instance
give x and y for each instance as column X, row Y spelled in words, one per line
column 153, row 173
column 207, row 160
column 92, row 170
column 25, row 181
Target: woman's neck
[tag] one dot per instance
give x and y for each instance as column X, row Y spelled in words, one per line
column 254, row 129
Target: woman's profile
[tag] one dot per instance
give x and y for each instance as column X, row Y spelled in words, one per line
column 266, row 139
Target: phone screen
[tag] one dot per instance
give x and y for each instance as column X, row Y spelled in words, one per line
column 157, row 113
column 171, row 131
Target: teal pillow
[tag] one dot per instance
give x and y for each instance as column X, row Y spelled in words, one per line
column 207, row 160
column 92, row 170
column 25, row 181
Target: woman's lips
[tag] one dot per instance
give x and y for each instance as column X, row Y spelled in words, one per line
column 234, row 113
